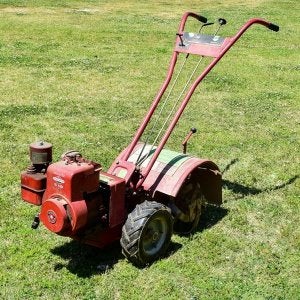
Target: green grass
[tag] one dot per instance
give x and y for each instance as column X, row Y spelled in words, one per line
column 82, row 74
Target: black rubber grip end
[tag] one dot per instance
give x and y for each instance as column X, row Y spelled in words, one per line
column 202, row 19
column 273, row 27
column 222, row 21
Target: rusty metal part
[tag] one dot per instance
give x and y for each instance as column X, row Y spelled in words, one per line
column 186, row 206
column 40, row 153
column 184, row 143
column 31, row 169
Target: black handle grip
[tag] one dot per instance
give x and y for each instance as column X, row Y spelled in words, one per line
column 273, row 27
column 222, row 21
column 201, row 19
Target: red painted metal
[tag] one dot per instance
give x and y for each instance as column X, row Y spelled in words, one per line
column 100, row 237
column 71, row 180
column 215, row 51
column 68, row 186
column 117, row 187
column 167, row 176
column 33, row 180
column 156, row 101
column 54, row 216
column 79, row 200
column 33, row 187
column 190, row 92
column 184, row 143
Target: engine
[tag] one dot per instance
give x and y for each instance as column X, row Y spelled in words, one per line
column 68, row 191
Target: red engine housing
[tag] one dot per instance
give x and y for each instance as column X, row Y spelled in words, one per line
column 76, row 200
column 67, row 202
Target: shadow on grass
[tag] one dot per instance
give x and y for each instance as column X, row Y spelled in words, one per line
column 243, row 191
column 211, row 216
column 85, row 261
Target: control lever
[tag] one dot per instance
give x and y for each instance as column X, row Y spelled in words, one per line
column 184, row 143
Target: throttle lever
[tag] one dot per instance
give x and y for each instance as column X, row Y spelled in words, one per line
column 221, row 22
column 207, row 24
column 184, row 143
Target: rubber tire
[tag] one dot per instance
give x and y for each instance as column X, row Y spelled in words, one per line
column 138, row 235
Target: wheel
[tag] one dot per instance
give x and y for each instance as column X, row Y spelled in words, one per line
column 186, row 206
column 147, row 233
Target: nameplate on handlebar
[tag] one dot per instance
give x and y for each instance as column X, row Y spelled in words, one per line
column 201, row 44
column 205, row 39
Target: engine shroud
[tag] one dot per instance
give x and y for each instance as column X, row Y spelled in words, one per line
column 67, row 202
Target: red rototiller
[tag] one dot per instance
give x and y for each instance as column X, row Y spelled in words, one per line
column 148, row 191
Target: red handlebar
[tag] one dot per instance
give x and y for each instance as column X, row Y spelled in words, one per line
column 228, row 43
column 202, row 19
column 263, row 22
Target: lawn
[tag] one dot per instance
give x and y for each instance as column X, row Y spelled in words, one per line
column 82, row 74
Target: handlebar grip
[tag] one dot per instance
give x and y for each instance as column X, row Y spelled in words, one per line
column 201, row 18
column 273, row 27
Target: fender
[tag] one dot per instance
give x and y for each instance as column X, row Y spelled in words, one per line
column 171, row 169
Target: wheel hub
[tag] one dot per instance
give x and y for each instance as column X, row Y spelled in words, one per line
column 155, row 236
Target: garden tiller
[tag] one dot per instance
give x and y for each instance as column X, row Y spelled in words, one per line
column 148, row 191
